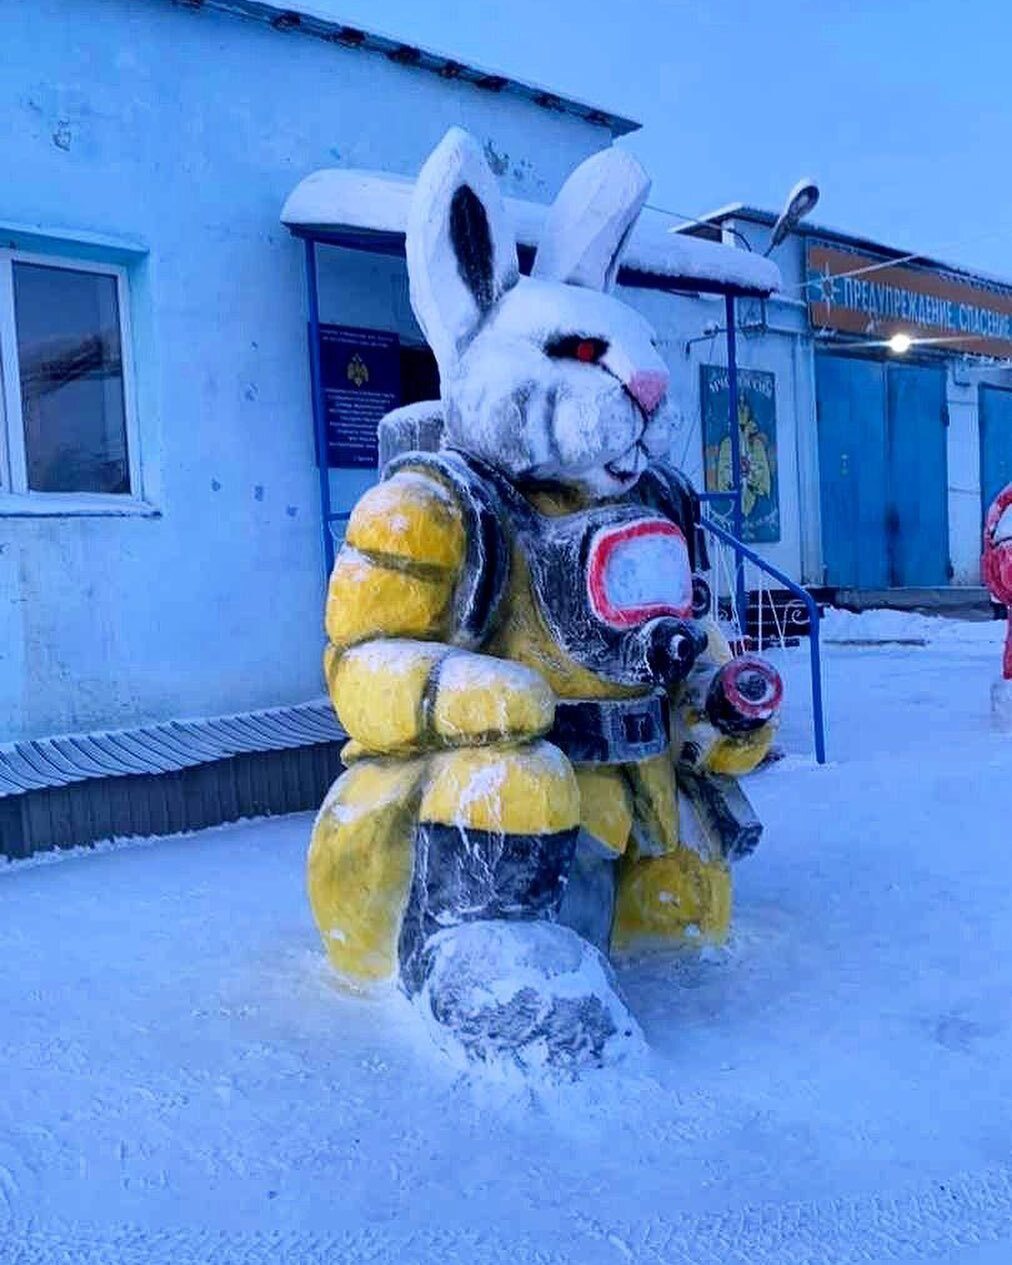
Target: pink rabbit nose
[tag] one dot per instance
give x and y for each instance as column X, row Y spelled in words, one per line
column 647, row 388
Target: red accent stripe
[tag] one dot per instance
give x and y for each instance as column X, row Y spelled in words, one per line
column 603, row 547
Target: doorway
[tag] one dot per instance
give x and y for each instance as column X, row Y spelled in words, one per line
column 883, row 473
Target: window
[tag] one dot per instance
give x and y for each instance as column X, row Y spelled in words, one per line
column 68, row 414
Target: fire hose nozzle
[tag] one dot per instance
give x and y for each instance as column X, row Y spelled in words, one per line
column 672, row 647
column 743, row 695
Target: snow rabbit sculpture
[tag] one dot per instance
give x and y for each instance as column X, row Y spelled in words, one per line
column 542, row 715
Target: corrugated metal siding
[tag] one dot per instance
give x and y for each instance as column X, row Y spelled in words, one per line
column 250, row 784
column 46, row 763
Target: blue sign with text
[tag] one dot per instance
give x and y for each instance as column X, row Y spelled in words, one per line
column 360, row 376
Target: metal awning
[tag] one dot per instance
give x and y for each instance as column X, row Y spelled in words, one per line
column 368, row 210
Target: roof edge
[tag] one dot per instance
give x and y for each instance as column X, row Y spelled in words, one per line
column 300, row 19
column 852, row 241
column 715, row 218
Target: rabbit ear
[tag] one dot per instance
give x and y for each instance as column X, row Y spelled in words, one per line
column 589, row 222
column 462, row 255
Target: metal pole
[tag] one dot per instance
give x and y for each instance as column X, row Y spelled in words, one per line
column 741, row 600
column 319, row 411
column 813, row 642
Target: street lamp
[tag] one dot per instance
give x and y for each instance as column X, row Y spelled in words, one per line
column 900, row 343
column 800, row 201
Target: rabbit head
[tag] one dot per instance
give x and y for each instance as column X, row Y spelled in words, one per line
column 548, row 377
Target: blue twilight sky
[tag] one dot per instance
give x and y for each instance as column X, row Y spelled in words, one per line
column 900, row 109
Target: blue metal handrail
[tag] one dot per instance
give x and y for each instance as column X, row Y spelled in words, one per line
column 743, row 551
column 734, row 434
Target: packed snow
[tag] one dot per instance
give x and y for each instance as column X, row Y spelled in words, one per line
column 185, row 1081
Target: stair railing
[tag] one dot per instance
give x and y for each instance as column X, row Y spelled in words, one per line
column 736, row 585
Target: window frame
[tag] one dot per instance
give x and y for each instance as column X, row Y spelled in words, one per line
column 16, row 498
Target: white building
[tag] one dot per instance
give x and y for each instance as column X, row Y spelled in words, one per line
column 160, row 544
column 172, row 166
column 161, row 551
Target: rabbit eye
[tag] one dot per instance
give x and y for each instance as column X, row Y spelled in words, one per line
column 587, row 350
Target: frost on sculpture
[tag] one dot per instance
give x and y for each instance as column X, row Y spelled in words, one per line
column 544, row 719
column 996, row 572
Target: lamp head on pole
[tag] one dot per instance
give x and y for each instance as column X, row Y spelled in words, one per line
column 800, row 201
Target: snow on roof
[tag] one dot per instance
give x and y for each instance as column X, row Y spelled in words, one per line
column 853, row 241
column 715, row 217
column 319, row 18
column 341, row 199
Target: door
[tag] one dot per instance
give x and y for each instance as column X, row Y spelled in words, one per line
column 883, row 473
column 917, row 517
column 851, row 405
column 995, row 411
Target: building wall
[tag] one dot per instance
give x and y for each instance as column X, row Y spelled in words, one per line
column 799, row 426
column 178, row 133
column 964, row 478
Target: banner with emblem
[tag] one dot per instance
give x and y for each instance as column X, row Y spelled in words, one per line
column 360, row 379
column 757, row 431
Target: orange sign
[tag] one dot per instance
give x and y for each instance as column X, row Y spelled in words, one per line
column 859, row 293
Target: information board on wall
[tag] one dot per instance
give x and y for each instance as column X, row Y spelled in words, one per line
column 360, row 377
column 757, row 431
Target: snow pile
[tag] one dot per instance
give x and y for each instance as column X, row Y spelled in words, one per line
column 901, row 627
column 187, row 1082
column 1001, row 705
column 531, row 995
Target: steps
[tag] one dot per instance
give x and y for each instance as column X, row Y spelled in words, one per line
column 963, row 602
column 780, row 610
column 955, row 601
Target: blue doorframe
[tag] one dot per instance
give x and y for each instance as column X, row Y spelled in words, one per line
column 389, row 243
column 319, row 411
column 882, row 432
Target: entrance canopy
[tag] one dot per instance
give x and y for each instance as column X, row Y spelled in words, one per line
column 369, row 210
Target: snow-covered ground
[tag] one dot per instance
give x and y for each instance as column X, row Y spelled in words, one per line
column 183, row 1082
